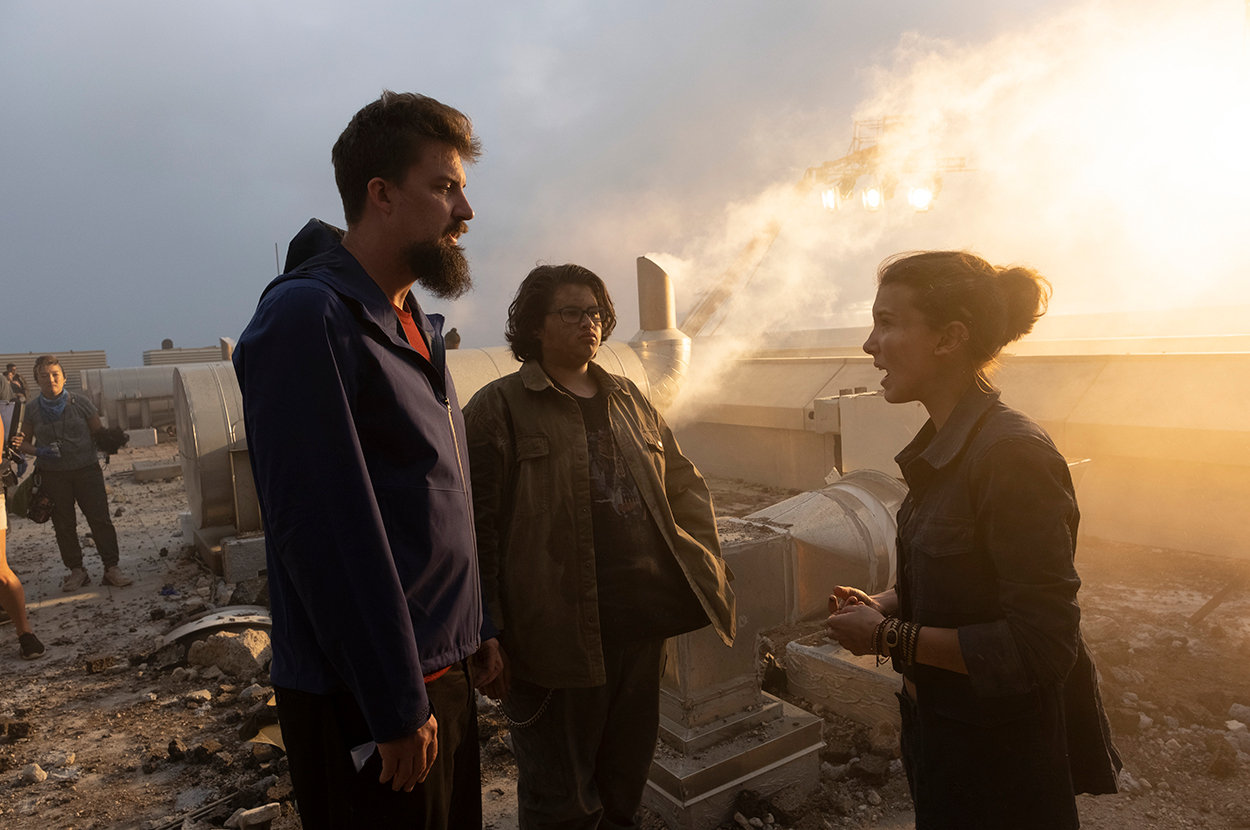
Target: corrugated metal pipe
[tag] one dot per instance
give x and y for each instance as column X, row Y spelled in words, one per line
column 661, row 347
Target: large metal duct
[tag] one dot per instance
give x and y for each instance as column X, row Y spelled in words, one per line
column 133, row 398
column 663, row 349
column 843, row 535
column 211, row 441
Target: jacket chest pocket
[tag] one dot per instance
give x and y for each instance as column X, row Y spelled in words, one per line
column 939, row 537
column 532, row 495
column 946, row 576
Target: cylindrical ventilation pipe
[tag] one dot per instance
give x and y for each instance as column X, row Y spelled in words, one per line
column 663, row 349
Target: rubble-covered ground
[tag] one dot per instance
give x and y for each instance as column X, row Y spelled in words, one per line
column 110, row 731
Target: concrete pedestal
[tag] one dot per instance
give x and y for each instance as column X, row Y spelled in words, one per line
column 766, row 749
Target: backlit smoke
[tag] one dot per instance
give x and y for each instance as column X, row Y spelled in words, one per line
column 1110, row 151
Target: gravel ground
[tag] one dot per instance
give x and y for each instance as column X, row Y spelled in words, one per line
column 124, row 737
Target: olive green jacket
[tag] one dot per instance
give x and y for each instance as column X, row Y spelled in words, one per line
column 530, row 468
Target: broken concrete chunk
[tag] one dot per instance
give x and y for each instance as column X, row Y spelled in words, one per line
column 259, row 817
column 100, row 662
column 241, row 654
column 57, row 758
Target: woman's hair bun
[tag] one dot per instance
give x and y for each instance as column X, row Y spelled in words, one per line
column 1026, row 294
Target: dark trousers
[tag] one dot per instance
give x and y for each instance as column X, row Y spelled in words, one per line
column 86, row 487
column 321, row 730
column 987, row 775
column 583, row 764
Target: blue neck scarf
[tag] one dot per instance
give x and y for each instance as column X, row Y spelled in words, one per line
column 52, row 408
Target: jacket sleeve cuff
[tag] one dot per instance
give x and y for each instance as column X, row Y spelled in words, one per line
column 994, row 665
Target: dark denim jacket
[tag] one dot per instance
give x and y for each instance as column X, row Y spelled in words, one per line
column 986, row 541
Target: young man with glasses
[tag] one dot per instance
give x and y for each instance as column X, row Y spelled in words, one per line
column 597, row 541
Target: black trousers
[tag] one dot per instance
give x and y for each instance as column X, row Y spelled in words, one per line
column 583, row 763
column 85, row 486
column 321, row 730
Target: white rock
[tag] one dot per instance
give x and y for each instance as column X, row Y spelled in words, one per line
column 34, row 774
column 198, row 696
column 1234, row 726
column 1239, row 711
column 1145, row 721
column 874, row 798
column 741, row 821
column 1173, row 744
column 240, row 654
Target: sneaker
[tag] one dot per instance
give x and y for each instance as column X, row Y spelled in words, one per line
column 32, row 649
column 75, row 579
column 114, row 576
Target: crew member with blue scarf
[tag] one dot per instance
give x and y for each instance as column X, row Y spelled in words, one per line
column 62, row 425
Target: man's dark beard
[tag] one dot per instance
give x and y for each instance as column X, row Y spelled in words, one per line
column 440, row 267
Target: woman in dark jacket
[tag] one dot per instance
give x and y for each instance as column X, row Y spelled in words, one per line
column 1002, row 722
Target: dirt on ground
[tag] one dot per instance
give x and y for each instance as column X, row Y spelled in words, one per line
column 113, row 729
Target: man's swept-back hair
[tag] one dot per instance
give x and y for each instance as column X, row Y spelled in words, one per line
column 532, row 303
column 386, row 138
column 46, row 360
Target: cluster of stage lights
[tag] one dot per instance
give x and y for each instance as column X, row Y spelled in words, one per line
column 874, row 196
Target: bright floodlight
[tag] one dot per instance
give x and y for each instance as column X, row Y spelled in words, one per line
column 920, row 198
column 829, row 199
column 872, row 197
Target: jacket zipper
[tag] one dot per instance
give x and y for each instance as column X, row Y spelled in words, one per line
column 455, row 440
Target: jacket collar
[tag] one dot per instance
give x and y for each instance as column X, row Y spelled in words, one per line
column 536, row 380
column 939, row 448
column 320, row 244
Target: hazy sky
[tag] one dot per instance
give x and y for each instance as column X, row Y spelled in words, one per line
column 154, row 152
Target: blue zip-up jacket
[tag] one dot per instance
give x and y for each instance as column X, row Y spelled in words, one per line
column 358, row 451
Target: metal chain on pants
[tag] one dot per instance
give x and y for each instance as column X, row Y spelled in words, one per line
column 530, row 721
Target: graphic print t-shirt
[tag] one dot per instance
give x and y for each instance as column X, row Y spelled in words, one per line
column 643, row 592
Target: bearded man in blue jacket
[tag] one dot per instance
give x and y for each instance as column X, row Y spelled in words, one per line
column 357, row 447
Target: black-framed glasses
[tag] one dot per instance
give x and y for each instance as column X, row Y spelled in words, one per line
column 572, row 314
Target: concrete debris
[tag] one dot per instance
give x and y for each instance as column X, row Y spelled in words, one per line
column 829, row 772
column 100, row 662
column 1098, row 628
column 255, row 692
column 872, row 768
column 34, row 774
column 242, row 654
column 1126, row 676
column 57, row 758
column 1239, row 711
column 1235, row 726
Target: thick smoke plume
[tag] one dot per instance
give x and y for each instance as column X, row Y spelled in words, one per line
column 1109, row 151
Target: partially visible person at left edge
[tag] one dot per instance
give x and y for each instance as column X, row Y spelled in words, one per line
column 16, row 382
column 357, row 447
column 58, row 429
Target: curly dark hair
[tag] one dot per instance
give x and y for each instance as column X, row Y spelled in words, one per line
column 385, row 138
column 533, row 302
